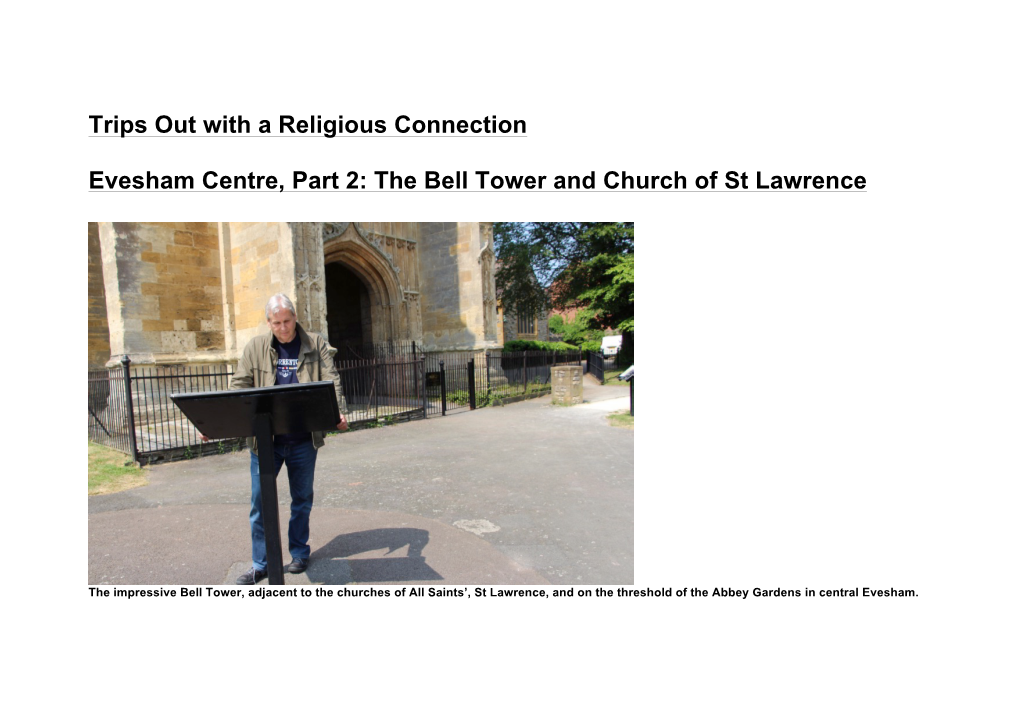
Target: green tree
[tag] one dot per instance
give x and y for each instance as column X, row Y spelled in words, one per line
column 576, row 333
column 587, row 266
column 557, row 324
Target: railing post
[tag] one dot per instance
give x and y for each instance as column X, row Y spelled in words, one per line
column 488, row 388
column 423, row 388
column 375, row 386
column 471, row 383
column 125, row 363
column 414, row 354
column 442, row 384
column 525, row 372
column 632, row 396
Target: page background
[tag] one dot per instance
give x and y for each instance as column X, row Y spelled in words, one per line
column 831, row 378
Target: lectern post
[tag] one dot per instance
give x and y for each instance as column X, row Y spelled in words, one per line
column 270, row 502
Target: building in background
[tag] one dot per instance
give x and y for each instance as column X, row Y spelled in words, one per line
column 195, row 292
column 531, row 326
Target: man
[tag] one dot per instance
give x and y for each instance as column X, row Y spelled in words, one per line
column 287, row 354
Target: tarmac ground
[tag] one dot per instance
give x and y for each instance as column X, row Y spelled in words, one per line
column 527, row 493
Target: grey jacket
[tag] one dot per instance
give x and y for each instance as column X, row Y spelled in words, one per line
column 257, row 368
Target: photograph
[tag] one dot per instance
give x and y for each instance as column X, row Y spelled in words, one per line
column 513, row 343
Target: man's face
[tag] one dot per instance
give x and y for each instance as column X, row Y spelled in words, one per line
column 283, row 324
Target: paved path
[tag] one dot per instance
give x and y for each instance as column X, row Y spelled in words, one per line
column 526, row 493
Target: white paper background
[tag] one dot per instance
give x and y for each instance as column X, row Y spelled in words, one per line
column 829, row 381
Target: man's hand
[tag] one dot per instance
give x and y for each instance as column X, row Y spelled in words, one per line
column 342, row 425
column 205, row 439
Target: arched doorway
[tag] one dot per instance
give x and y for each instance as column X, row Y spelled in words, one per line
column 365, row 304
column 348, row 309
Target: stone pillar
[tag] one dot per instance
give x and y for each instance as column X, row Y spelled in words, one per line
column 99, row 329
column 310, row 272
column 487, row 262
column 567, row 385
column 227, row 285
column 412, row 300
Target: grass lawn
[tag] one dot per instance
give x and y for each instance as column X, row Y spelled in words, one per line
column 111, row 471
column 613, row 380
column 622, row 420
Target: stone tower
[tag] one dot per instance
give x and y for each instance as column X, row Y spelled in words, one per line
column 195, row 292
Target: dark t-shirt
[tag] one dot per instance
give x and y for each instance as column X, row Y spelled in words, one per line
column 288, row 356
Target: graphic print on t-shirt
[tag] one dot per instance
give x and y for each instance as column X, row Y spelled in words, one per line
column 287, row 361
column 285, row 367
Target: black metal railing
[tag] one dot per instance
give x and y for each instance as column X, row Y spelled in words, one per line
column 383, row 389
column 130, row 408
column 450, row 367
column 596, row 366
column 108, row 419
column 599, row 364
column 523, row 374
column 160, row 426
column 350, row 351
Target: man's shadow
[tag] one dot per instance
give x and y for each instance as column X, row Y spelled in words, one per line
column 332, row 563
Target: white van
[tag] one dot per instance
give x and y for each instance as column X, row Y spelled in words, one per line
column 611, row 344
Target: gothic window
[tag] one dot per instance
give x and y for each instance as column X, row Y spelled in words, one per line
column 526, row 325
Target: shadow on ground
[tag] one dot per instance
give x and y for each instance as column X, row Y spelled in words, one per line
column 336, row 559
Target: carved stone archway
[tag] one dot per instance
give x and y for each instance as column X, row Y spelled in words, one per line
column 344, row 243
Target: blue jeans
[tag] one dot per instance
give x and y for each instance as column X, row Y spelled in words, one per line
column 300, row 460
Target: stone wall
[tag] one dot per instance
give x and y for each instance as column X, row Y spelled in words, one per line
column 196, row 292
column 99, row 329
column 456, row 271
column 163, row 290
column 262, row 264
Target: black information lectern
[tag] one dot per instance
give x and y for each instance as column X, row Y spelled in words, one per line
column 264, row 413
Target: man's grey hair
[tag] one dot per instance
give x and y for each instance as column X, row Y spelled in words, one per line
column 277, row 303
